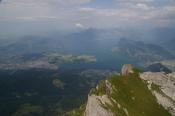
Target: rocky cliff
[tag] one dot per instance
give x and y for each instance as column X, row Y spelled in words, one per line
column 133, row 94
column 127, row 69
column 94, row 108
column 162, row 86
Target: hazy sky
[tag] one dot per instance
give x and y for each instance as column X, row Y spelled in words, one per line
column 17, row 16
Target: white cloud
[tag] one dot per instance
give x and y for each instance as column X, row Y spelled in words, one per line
column 37, row 18
column 46, row 2
column 26, row 18
column 72, row 1
column 119, row 13
column 139, row 13
column 143, row 6
column 72, row 11
column 134, row 1
column 170, row 8
column 79, row 25
column 86, row 9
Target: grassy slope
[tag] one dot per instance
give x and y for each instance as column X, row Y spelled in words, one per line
column 132, row 93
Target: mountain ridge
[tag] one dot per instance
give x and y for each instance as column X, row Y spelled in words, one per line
column 142, row 51
column 133, row 95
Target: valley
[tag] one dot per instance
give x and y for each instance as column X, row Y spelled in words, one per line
column 51, row 80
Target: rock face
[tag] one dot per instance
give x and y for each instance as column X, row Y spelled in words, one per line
column 165, row 90
column 94, row 106
column 95, row 103
column 108, row 87
column 127, row 69
column 106, row 103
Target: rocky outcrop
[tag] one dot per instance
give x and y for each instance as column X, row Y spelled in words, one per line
column 127, row 69
column 108, row 87
column 95, row 103
column 104, row 101
column 94, row 106
column 163, row 87
column 166, row 82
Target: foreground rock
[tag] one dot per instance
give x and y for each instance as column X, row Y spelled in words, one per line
column 94, row 107
column 147, row 94
column 127, row 69
column 163, row 87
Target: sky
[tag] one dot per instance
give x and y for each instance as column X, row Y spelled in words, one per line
column 35, row 16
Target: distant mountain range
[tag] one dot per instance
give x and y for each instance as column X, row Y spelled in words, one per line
column 85, row 41
column 169, row 44
column 142, row 51
column 90, row 42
